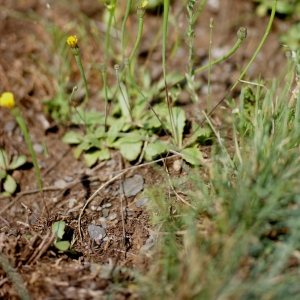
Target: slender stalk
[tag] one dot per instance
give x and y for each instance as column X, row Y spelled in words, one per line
column 211, row 26
column 17, row 114
column 260, row 44
column 111, row 9
column 128, row 6
column 164, row 66
column 79, row 63
column 233, row 49
column 198, row 11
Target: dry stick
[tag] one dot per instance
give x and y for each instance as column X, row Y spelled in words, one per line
column 121, row 195
column 93, row 196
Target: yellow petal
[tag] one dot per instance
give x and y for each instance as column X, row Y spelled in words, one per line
column 7, row 100
column 144, row 4
column 72, row 41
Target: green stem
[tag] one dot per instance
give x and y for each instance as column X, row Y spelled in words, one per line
column 138, row 38
column 164, row 66
column 111, row 9
column 17, row 114
column 198, row 11
column 209, row 63
column 124, row 24
column 260, row 45
column 233, row 49
column 165, row 32
column 79, row 63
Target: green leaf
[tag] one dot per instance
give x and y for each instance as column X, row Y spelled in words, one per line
column 124, row 101
column 179, row 123
column 104, row 154
column 17, row 162
column 5, row 194
column 62, row 245
column 72, row 138
column 131, row 151
column 9, row 184
column 77, row 152
column 156, row 149
column 192, row 156
column 2, row 173
column 3, row 159
column 91, row 157
column 114, row 131
column 58, row 228
column 87, row 117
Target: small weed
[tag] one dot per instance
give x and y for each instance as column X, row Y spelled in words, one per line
column 8, row 183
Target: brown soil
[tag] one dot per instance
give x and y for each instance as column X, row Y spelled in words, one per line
column 27, row 51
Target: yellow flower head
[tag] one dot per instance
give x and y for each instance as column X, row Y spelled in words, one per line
column 72, row 41
column 7, row 100
column 144, row 4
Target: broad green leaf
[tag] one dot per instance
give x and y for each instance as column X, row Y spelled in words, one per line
column 114, row 131
column 9, row 184
column 87, row 117
column 91, row 158
column 2, row 173
column 3, row 159
column 104, row 154
column 131, row 151
column 72, row 138
column 58, row 228
column 62, row 245
column 139, row 109
column 93, row 140
column 17, row 162
column 192, row 156
column 124, row 101
column 77, row 152
column 5, row 194
column 156, row 149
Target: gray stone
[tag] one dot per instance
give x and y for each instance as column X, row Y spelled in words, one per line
column 96, row 232
column 141, row 202
column 133, row 185
column 112, row 216
column 105, row 212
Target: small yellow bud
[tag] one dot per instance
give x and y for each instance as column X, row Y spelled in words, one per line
column 72, row 41
column 144, row 4
column 7, row 100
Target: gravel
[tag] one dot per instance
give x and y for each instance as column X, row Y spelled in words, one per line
column 132, row 186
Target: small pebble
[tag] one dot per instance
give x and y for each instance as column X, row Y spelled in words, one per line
column 68, row 178
column 107, row 205
column 105, row 212
column 129, row 213
column 133, row 185
column 38, row 148
column 102, row 220
column 72, row 202
column 104, row 225
column 60, row 183
column 141, row 202
column 10, row 126
column 112, row 216
column 96, row 232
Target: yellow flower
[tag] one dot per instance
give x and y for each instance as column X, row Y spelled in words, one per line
column 144, row 4
column 7, row 100
column 72, row 41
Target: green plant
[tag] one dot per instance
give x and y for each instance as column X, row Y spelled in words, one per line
column 8, row 182
column 59, row 229
column 239, row 234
